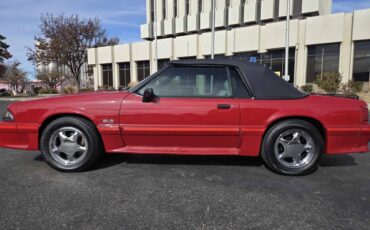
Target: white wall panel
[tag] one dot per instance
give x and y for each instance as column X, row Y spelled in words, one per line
column 141, row 51
column 325, row 29
column 104, row 54
column 205, row 41
column 186, row 46
column 361, row 25
column 122, row 53
column 246, row 39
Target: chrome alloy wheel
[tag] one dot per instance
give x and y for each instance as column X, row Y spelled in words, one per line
column 68, row 146
column 294, row 148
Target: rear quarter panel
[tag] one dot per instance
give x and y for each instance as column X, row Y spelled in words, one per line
column 341, row 119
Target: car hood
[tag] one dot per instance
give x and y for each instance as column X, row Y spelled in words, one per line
column 88, row 104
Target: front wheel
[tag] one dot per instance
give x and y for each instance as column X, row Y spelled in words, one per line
column 292, row 147
column 71, row 144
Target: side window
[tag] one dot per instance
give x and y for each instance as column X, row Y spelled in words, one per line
column 239, row 89
column 191, row 82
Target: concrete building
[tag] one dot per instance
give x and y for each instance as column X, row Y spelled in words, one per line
column 253, row 30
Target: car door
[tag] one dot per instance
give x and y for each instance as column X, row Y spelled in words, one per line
column 194, row 112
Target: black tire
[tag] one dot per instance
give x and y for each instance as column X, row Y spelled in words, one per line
column 93, row 153
column 270, row 147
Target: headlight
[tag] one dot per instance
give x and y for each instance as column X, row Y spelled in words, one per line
column 8, row 116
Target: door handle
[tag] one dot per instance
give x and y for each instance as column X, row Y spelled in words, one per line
column 223, row 106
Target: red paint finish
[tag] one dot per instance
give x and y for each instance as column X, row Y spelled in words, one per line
column 188, row 125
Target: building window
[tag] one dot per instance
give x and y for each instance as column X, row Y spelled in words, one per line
column 320, row 59
column 187, row 58
column 200, row 6
column 217, row 56
column 297, row 8
column 361, row 61
column 258, row 11
column 162, row 63
column 247, row 56
column 143, row 70
column 164, row 9
column 107, row 75
column 276, row 9
column 274, row 59
column 187, row 7
column 175, row 8
column 227, row 3
column 152, row 10
column 124, row 74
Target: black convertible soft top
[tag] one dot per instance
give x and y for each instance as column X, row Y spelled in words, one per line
column 262, row 81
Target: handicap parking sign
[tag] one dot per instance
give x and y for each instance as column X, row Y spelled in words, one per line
column 253, row 59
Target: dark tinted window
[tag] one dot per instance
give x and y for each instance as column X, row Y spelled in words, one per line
column 107, row 75
column 239, row 89
column 297, row 8
column 200, row 6
column 276, row 9
column 162, row 63
column 143, row 69
column 258, row 11
column 321, row 59
column 361, row 61
column 124, row 74
column 152, row 10
column 175, row 8
column 164, row 9
column 191, row 82
column 187, row 7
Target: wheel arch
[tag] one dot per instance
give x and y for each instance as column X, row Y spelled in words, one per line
column 315, row 122
column 53, row 117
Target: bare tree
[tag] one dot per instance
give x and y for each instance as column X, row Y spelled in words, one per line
column 52, row 79
column 65, row 40
column 15, row 77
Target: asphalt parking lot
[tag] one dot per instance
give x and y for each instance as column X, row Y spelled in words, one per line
column 182, row 192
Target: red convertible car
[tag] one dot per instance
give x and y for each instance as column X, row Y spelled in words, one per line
column 199, row 107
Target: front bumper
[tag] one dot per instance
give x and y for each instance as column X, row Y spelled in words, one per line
column 19, row 136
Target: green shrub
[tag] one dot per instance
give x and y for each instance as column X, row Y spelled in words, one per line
column 37, row 89
column 87, row 90
column 329, row 81
column 352, row 88
column 105, row 87
column 307, row 88
column 69, row 90
column 48, row 91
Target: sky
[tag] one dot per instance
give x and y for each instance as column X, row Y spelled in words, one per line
column 19, row 19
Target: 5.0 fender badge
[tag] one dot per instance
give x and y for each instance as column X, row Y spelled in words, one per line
column 108, row 121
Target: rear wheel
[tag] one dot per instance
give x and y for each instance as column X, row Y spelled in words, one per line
column 292, row 147
column 71, row 144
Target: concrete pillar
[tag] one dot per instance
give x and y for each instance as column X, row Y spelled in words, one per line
column 152, row 57
column 133, row 71
column 115, row 70
column 147, row 11
column 301, row 60
column 346, row 55
column 96, row 83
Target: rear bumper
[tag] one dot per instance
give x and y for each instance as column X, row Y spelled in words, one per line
column 349, row 139
column 19, row 136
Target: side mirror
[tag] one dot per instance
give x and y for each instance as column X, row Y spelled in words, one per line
column 149, row 95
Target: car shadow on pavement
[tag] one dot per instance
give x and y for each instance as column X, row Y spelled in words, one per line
column 337, row 161
column 116, row 159
column 111, row 160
